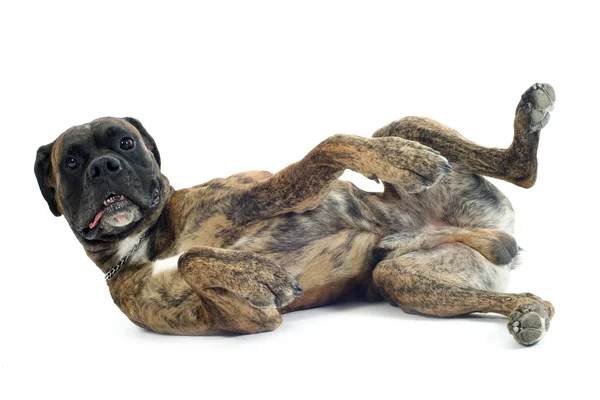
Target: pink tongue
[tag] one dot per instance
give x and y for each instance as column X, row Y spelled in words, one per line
column 96, row 219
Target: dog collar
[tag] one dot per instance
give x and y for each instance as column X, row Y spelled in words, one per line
column 113, row 271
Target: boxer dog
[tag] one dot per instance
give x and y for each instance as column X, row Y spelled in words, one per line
column 233, row 254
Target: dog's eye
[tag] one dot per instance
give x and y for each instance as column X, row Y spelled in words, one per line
column 71, row 163
column 127, row 143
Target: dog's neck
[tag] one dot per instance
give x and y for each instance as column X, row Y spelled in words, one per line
column 147, row 241
column 131, row 251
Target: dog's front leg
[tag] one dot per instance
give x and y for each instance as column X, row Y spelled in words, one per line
column 241, row 290
column 302, row 185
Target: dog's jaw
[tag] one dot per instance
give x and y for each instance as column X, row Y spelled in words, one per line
column 118, row 219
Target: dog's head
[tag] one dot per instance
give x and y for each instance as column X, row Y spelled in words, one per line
column 104, row 177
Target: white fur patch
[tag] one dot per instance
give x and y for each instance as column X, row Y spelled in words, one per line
column 127, row 244
column 499, row 274
column 506, row 221
column 241, row 242
column 166, row 264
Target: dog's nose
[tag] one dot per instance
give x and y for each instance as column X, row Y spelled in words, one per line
column 105, row 166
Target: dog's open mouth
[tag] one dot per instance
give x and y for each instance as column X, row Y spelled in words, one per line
column 116, row 215
column 111, row 206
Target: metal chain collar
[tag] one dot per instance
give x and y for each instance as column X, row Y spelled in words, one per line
column 112, row 272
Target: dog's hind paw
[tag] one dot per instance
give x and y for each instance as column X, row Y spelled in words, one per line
column 529, row 323
column 536, row 104
column 497, row 246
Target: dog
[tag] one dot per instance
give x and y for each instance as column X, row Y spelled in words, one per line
column 233, row 254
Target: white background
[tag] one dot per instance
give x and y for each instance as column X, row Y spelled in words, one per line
column 255, row 85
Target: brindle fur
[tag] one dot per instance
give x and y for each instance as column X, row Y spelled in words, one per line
column 437, row 241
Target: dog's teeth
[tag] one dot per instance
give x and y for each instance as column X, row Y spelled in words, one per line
column 113, row 199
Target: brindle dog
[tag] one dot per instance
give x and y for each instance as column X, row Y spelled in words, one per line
column 233, row 254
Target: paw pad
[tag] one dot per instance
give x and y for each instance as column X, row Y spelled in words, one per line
column 537, row 102
column 528, row 324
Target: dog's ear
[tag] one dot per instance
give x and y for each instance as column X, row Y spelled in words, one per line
column 150, row 143
column 43, row 170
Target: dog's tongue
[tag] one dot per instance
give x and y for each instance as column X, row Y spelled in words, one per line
column 96, row 219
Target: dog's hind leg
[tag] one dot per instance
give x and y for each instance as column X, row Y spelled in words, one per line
column 454, row 279
column 497, row 246
column 517, row 164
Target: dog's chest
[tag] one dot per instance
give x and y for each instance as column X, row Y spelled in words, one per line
column 166, row 264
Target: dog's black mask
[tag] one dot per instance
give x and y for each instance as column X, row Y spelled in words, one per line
column 103, row 176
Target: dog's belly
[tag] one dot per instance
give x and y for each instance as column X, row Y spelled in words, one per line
column 330, row 250
column 329, row 268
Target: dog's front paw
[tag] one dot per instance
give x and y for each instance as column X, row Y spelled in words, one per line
column 244, row 274
column 410, row 165
column 426, row 170
column 529, row 322
column 536, row 104
column 270, row 289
